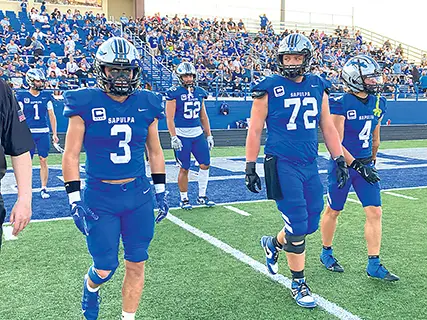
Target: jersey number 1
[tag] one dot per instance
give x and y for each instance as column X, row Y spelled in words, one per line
column 115, row 130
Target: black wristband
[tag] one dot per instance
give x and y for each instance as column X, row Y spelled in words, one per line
column 250, row 167
column 72, row 186
column 159, row 178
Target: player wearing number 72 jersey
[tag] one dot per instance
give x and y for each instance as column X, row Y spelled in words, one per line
column 115, row 123
column 187, row 119
column 357, row 116
column 293, row 105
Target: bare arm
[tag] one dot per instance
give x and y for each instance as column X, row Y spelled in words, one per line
column 170, row 116
column 52, row 119
column 258, row 116
column 21, row 212
column 376, row 140
column 330, row 133
column 154, row 149
column 205, row 120
column 73, row 145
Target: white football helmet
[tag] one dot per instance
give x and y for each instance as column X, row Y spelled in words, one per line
column 124, row 77
column 362, row 73
column 295, row 43
column 186, row 68
column 33, row 75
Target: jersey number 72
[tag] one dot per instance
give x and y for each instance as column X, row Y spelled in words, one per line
column 296, row 103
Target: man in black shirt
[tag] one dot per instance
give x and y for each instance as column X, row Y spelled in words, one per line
column 16, row 141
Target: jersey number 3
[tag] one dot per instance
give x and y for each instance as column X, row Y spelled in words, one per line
column 296, row 103
column 115, row 130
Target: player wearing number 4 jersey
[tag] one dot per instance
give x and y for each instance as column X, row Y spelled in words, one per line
column 357, row 116
column 186, row 120
column 115, row 123
column 38, row 107
column 293, row 105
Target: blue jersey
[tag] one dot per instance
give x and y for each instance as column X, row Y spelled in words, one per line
column 360, row 121
column 36, row 109
column 188, row 105
column 115, row 133
column 293, row 116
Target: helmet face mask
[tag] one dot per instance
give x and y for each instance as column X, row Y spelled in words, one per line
column 183, row 71
column 36, row 79
column 362, row 74
column 291, row 46
column 117, row 67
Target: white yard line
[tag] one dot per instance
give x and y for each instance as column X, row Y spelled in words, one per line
column 400, row 195
column 243, row 213
column 353, row 200
column 328, row 306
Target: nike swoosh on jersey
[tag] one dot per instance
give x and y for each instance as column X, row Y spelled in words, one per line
column 268, row 159
column 141, row 110
column 314, row 85
column 145, row 192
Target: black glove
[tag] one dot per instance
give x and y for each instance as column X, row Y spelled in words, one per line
column 252, row 180
column 368, row 173
column 341, row 171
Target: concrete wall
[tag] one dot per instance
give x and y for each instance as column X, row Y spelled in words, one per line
column 117, row 7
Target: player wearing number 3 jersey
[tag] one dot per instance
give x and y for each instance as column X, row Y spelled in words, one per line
column 115, row 123
column 186, row 120
column 293, row 105
column 357, row 116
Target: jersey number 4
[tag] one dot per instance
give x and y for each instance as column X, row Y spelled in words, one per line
column 190, row 113
column 296, row 103
column 365, row 134
column 115, row 130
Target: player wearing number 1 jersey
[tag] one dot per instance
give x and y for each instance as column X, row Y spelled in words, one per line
column 38, row 107
column 187, row 120
column 357, row 116
column 293, row 105
column 115, row 123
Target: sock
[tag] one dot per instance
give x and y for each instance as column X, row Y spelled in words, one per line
column 184, row 196
column 44, row 188
column 203, row 182
column 373, row 257
column 373, row 260
column 297, row 274
column 128, row 316
column 327, row 248
column 277, row 244
column 90, row 288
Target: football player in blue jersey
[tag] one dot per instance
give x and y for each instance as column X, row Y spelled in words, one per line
column 187, row 120
column 114, row 123
column 293, row 105
column 357, row 116
column 37, row 106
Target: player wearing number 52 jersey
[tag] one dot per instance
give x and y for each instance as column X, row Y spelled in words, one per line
column 293, row 105
column 357, row 116
column 186, row 120
column 115, row 123
column 38, row 107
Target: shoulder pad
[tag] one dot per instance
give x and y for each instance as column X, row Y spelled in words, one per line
column 336, row 105
column 156, row 103
column 262, row 84
column 76, row 100
column 203, row 92
column 171, row 93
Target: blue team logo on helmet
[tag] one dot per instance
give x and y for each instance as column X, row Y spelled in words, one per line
column 34, row 75
column 183, row 69
column 362, row 74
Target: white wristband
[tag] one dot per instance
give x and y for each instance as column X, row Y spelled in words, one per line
column 160, row 187
column 74, row 197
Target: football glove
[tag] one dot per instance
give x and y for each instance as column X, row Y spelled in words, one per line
column 176, row 143
column 210, row 142
column 370, row 174
column 81, row 213
column 341, row 172
column 252, row 180
column 163, row 205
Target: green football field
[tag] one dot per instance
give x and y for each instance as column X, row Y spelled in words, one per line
column 208, row 264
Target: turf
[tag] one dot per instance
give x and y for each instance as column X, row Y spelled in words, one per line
column 187, row 278
column 240, row 151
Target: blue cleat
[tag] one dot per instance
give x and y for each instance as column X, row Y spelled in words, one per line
column 185, row 204
column 90, row 302
column 302, row 294
column 271, row 254
column 329, row 261
column 376, row 270
column 204, row 201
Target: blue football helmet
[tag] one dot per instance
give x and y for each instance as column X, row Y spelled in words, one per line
column 33, row 75
column 186, row 68
column 362, row 74
column 295, row 43
column 124, row 77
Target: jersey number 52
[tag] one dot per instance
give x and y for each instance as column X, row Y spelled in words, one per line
column 189, row 112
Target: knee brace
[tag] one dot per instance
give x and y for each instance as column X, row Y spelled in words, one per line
column 94, row 276
column 290, row 245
